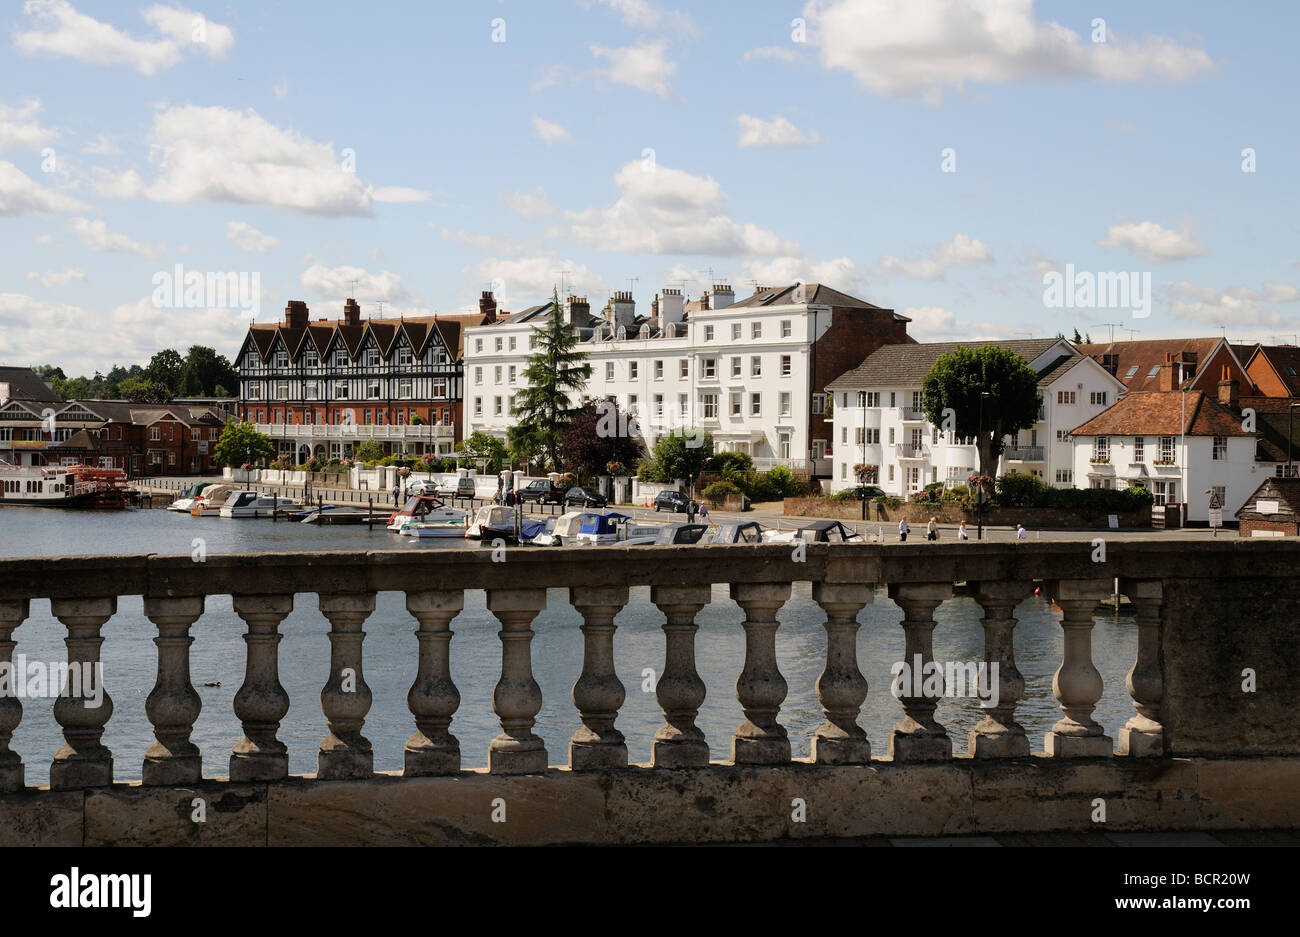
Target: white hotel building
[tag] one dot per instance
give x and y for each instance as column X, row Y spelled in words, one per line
column 750, row 373
column 878, row 421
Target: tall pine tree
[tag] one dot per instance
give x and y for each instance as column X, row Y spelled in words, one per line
column 556, row 374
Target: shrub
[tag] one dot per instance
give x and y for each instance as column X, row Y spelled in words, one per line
column 648, row 471
column 785, row 483
column 721, row 490
column 730, row 465
column 845, row 494
column 370, row 451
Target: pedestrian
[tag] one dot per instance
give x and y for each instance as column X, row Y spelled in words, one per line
column 704, row 511
column 1021, row 533
column 510, row 498
column 903, row 529
column 932, row 529
column 397, row 494
column 691, row 508
column 961, row 531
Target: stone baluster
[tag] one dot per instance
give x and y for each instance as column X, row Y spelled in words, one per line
column 1000, row 684
column 517, row 698
column 679, row 743
column 1144, row 736
column 841, row 686
column 433, row 698
column 760, row 739
column 173, row 704
column 84, row 761
column 1077, row 683
column 599, row 693
column 13, row 612
column 261, row 702
column 917, row 736
column 345, row 699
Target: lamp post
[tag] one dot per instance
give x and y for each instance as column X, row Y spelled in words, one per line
column 980, row 495
column 1290, row 424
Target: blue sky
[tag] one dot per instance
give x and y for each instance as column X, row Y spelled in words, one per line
column 406, row 147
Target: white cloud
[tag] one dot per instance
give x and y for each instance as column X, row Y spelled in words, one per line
column 910, row 48
column 57, row 277
column 487, row 243
column 398, row 194
column 19, row 129
column 529, row 204
column 46, row 239
column 775, row 133
column 215, row 154
column 338, row 281
column 644, row 66
column 521, row 282
column 1235, row 306
column 840, row 273
column 773, row 53
column 936, row 324
column 19, row 195
column 102, row 145
column 551, row 133
column 281, row 90
column 645, row 15
column 1153, row 241
column 960, row 250
column 61, row 30
column 669, row 211
column 110, row 184
column 96, row 236
column 247, row 238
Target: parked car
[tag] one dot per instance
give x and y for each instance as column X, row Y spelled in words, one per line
column 455, row 488
column 671, row 501
column 583, row 496
column 543, row 491
column 424, row 488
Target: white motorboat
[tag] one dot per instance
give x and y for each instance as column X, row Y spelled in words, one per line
column 248, row 503
column 186, row 504
column 425, row 529
column 42, row 486
column 669, row 534
column 492, row 522
column 562, row 531
column 819, row 531
column 427, row 509
column 612, row 527
column 210, row 502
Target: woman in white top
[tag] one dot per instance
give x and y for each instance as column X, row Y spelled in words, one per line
column 903, row 529
column 961, row 531
column 1021, row 533
column 932, row 529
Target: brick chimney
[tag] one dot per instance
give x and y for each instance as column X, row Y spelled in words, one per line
column 487, row 305
column 1228, row 389
column 704, row 300
column 295, row 314
column 577, row 311
column 1167, row 381
column 721, row 296
column 351, row 312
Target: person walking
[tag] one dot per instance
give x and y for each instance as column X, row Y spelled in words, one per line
column 397, row 495
column 961, row 531
column 704, row 511
column 932, row 529
column 1021, row 533
column 903, row 529
column 691, row 508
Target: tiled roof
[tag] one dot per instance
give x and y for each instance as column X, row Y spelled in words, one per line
column 1285, row 490
column 907, row 365
column 1157, row 413
column 1285, row 360
column 814, row 293
column 26, row 384
column 419, row 330
column 1147, row 356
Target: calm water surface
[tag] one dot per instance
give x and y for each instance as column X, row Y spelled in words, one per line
column 390, row 653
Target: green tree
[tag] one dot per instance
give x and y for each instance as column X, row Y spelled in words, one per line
column 1077, row 338
column 165, row 368
column 597, row 436
column 484, row 446
column 683, row 454
column 142, row 390
column 240, row 443
column 203, row 370
column 556, row 372
column 372, row 450
column 984, row 393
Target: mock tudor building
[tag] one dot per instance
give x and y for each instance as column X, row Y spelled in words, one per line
column 321, row 387
column 751, row 373
column 878, row 421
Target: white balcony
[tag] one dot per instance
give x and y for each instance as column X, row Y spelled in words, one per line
column 1023, row 454
column 354, row 431
column 913, row 453
column 911, row 415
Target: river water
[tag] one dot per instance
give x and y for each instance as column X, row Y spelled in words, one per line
column 390, row 653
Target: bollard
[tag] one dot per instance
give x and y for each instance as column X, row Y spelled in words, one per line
column 370, row 514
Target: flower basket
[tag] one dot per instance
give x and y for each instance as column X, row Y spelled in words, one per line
column 1162, row 462
column 615, row 468
column 1104, row 460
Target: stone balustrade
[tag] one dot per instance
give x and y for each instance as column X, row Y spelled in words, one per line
column 1204, row 614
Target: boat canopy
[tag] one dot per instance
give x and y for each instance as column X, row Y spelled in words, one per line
column 601, row 523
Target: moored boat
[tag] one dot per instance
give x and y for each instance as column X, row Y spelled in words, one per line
column 44, row 486
column 426, row 509
column 249, row 503
column 492, row 522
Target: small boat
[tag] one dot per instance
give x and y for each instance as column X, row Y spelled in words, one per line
column 612, row 527
column 426, row 509
column 210, row 502
column 43, row 486
column 671, row 534
column 426, row 529
column 185, row 503
column 534, row 529
column 738, row 532
column 560, row 530
column 492, row 522
column 819, row 531
column 249, row 503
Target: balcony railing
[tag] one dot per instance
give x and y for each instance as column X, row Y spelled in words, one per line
column 912, row 452
column 1023, row 454
column 911, row 414
column 1217, row 586
column 355, row 431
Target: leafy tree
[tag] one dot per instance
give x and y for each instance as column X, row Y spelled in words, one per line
column 588, row 445
column 991, row 393
column 1077, row 340
column 203, row 370
column 240, row 443
column 165, row 368
column 682, row 454
column 372, row 450
column 556, row 373
column 142, row 390
column 1087, row 339
column 481, row 445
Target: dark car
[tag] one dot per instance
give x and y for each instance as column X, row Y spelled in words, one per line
column 671, row 501
column 543, row 491
column 583, row 496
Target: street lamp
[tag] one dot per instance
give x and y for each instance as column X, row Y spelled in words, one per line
column 980, row 494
